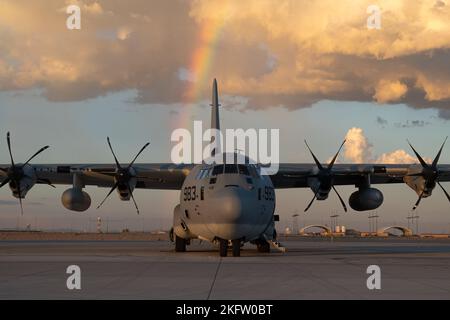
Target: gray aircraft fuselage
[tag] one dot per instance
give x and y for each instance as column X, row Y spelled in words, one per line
column 225, row 201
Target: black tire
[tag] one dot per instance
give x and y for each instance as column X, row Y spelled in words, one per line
column 180, row 244
column 263, row 247
column 223, row 247
column 236, row 248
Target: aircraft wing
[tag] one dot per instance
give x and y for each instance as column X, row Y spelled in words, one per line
column 163, row 176
column 295, row 175
column 168, row 176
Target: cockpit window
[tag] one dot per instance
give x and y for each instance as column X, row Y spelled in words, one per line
column 204, row 173
column 230, row 168
column 243, row 169
column 199, row 174
column 217, row 170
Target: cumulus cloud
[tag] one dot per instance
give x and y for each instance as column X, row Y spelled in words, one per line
column 389, row 91
column 397, row 156
column 358, row 149
column 271, row 53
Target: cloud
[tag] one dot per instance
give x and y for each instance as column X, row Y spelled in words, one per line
column 358, row 149
column 271, row 53
column 381, row 121
column 123, row 33
column 412, row 124
column 397, row 156
column 389, row 91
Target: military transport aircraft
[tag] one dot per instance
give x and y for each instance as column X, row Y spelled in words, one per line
column 227, row 204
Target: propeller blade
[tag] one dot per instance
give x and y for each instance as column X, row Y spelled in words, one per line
column 314, row 157
column 114, row 155
column 340, row 198
column 109, row 193
column 45, row 181
column 20, row 197
column 138, row 154
column 132, row 197
column 312, row 200
column 8, row 139
column 335, row 157
column 422, row 162
column 445, row 191
column 435, row 161
column 5, row 182
column 418, row 201
column 34, row 155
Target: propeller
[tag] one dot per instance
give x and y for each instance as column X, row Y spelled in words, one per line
column 123, row 176
column 325, row 177
column 15, row 173
column 429, row 173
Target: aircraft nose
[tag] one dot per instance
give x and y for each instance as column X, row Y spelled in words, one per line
column 230, row 220
column 230, row 205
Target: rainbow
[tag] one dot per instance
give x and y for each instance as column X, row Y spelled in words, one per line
column 202, row 58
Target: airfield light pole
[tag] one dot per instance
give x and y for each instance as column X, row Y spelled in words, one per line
column 99, row 225
column 334, row 222
column 408, row 218
column 295, row 229
column 413, row 218
column 373, row 225
column 417, row 224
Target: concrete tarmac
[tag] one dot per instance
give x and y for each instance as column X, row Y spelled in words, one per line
column 312, row 268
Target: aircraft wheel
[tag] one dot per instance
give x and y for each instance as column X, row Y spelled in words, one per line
column 180, row 244
column 236, row 248
column 223, row 247
column 263, row 247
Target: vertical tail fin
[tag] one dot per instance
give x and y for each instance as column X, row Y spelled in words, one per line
column 215, row 124
column 215, row 121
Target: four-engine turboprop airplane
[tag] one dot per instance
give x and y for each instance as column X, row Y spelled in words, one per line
column 228, row 204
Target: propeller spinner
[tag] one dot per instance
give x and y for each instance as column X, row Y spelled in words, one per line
column 124, row 177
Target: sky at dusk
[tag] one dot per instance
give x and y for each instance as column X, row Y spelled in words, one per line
column 137, row 70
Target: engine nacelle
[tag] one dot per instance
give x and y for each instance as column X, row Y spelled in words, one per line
column 76, row 199
column 366, row 199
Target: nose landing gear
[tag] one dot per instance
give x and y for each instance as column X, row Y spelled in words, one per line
column 235, row 247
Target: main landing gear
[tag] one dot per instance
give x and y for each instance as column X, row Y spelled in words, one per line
column 180, row 244
column 263, row 246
